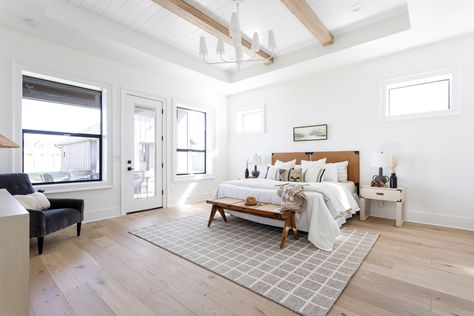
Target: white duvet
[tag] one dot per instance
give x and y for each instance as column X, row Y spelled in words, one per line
column 327, row 204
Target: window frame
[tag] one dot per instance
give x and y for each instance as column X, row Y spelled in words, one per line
column 106, row 161
column 210, row 140
column 188, row 150
column 67, row 134
column 241, row 112
column 453, row 74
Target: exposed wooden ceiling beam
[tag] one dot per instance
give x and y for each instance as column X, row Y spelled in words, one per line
column 208, row 24
column 303, row 12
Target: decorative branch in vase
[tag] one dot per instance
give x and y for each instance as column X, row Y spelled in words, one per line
column 393, row 167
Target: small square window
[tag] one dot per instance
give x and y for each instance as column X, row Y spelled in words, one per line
column 251, row 121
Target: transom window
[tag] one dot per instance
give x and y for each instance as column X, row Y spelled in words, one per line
column 421, row 95
column 251, row 121
column 191, row 147
column 62, row 132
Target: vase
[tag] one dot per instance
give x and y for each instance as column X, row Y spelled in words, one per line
column 255, row 172
column 393, row 180
column 247, row 174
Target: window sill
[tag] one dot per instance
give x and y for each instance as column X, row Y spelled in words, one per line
column 72, row 187
column 426, row 115
column 194, row 177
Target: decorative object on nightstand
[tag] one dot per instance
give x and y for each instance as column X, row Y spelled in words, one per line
column 256, row 161
column 393, row 167
column 368, row 193
column 379, row 180
column 247, row 174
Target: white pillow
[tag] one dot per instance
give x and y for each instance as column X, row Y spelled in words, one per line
column 272, row 172
column 285, row 165
column 306, row 164
column 34, row 201
column 330, row 174
column 341, row 170
column 314, row 174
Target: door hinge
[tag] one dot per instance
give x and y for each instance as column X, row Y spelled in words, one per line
column 162, row 111
column 162, row 192
column 162, row 165
column 162, row 138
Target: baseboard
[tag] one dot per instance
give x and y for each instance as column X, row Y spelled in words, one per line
column 100, row 214
column 466, row 223
column 191, row 199
column 430, row 218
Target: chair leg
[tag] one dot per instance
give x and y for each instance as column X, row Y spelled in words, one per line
column 79, row 229
column 40, row 245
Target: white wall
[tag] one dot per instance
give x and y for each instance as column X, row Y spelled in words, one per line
column 30, row 51
column 436, row 153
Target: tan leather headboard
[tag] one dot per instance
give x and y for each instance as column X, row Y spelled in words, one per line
column 353, row 169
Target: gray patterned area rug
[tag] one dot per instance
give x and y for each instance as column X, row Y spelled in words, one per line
column 301, row 277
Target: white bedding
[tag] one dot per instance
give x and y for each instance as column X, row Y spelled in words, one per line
column 329, row 204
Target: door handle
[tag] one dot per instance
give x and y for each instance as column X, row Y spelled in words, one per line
column 130, row 169
column 379, row 193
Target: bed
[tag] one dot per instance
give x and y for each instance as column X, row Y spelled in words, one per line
column 329, row 204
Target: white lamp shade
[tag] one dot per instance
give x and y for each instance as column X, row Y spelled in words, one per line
column 379, row 160
column 220, row 47
column 271, row 41
column 255, row 43
column 6, row 143
column 257, row 160
column 202, row 47
column 234, row 28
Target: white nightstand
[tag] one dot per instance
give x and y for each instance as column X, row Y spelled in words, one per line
column 368, row 193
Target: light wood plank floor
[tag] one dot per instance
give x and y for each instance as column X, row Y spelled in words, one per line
column 413, row 270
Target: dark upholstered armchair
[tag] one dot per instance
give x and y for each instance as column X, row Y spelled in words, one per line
column 61, row 214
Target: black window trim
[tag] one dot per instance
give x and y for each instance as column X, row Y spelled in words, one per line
column 69, row 134
column 195, row 150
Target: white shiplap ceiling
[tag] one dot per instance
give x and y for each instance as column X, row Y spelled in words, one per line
column 147, row 18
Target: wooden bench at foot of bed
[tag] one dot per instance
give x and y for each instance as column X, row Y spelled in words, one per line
column 266, row 210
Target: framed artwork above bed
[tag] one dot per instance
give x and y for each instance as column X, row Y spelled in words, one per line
column 310, row 133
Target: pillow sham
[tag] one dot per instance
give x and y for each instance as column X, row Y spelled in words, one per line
column 285, row 165
column 314, row 174
column 341, row 170
column 35, row 201
column 283, row 174
column 296, row 175
column 272, row 173
column 330, row 175
column 306, row 164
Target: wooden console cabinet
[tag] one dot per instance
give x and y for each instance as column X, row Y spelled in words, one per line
column 14, row 256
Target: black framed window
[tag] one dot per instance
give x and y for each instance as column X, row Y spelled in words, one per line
column 62, row 132
column 191, row 148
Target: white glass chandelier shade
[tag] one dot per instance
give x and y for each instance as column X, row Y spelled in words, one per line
column 271, row 41
column 236, row 36
column 220, row 50
column 202, row 47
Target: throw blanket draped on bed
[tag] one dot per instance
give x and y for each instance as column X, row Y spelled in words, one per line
column 292, row 197
column 325, row 202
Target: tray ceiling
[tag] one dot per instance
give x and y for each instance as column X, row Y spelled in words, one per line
column 147, row 18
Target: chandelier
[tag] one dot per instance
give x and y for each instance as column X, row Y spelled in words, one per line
column 236, row 36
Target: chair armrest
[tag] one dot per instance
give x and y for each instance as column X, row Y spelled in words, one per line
column 37, row 223
column 68, row 203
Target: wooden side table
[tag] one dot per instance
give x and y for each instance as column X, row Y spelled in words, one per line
column 368, row 193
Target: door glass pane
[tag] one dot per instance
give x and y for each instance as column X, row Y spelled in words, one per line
column 144, row 168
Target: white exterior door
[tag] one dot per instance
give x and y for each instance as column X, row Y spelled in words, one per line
column 142, row 175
